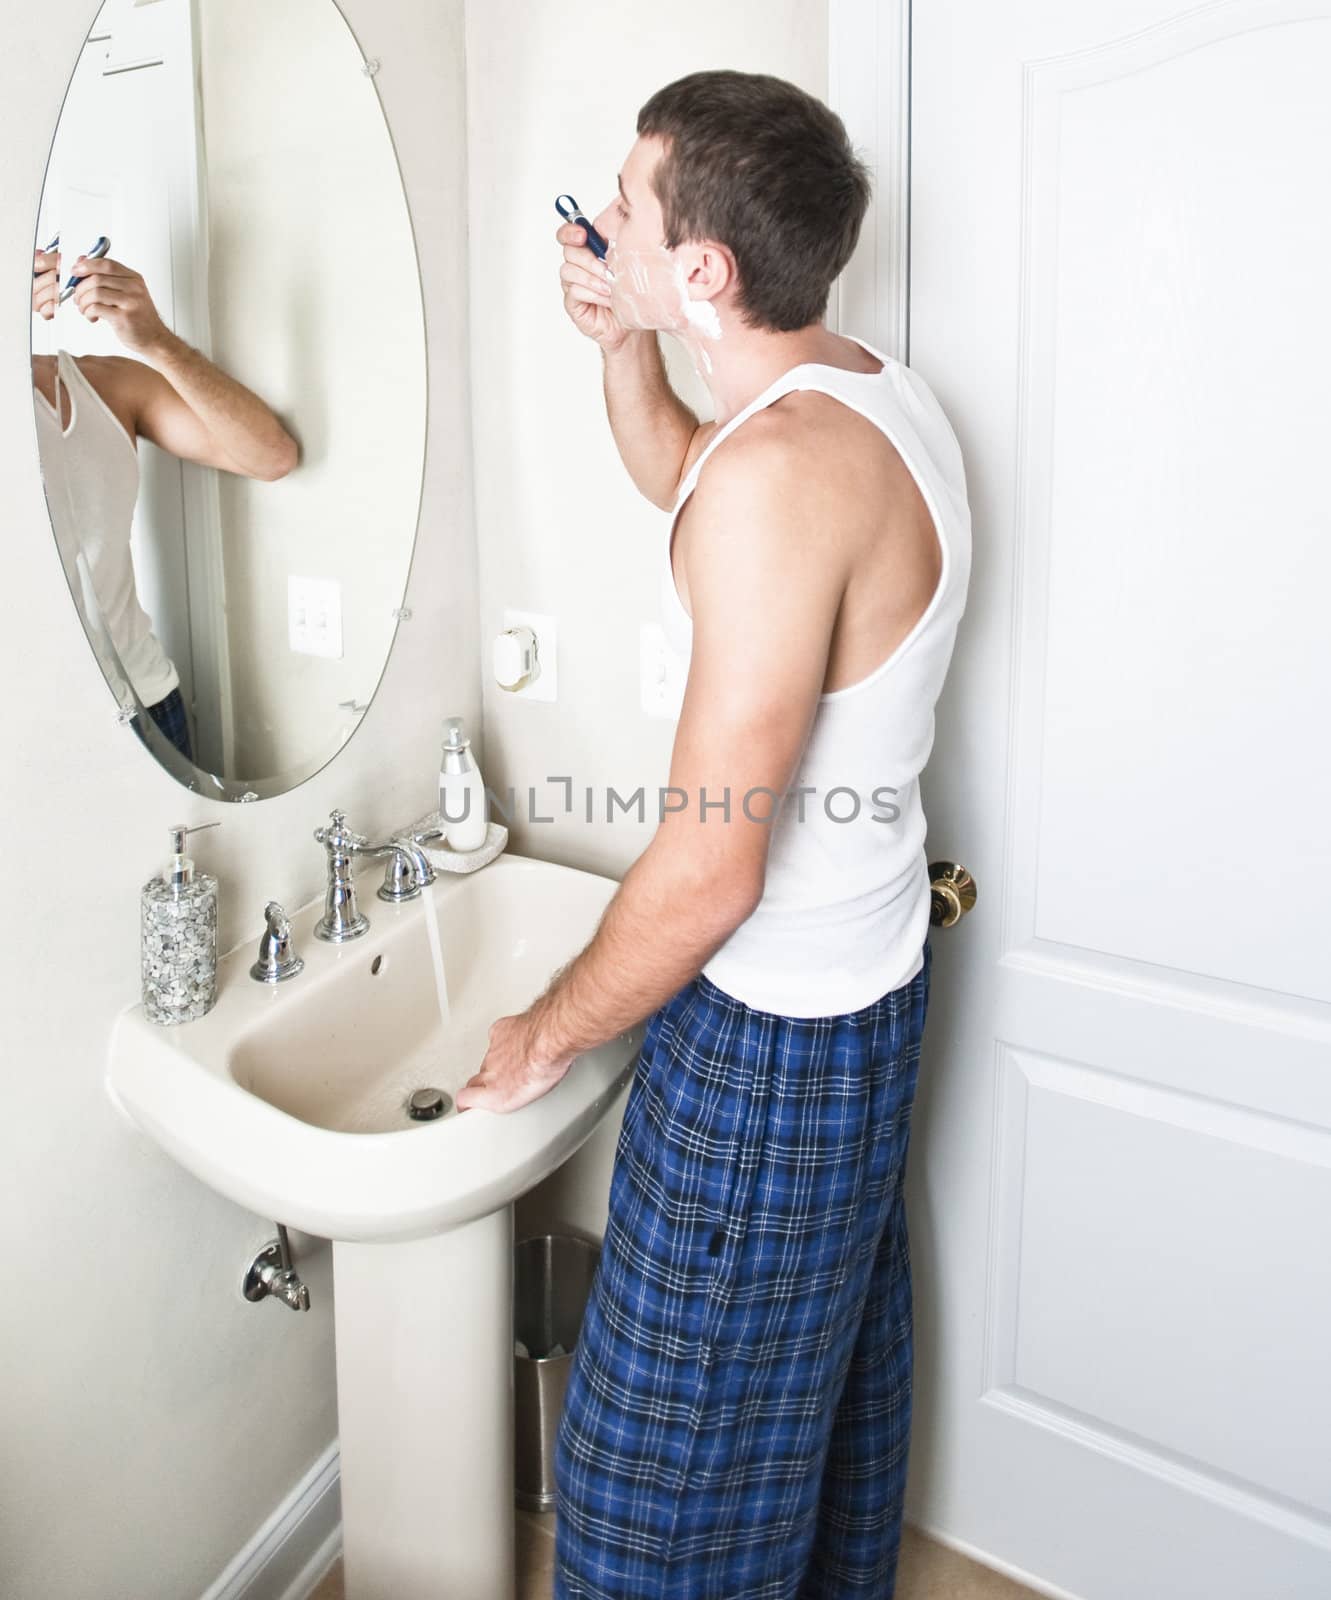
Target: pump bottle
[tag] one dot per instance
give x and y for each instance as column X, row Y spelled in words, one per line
column 463, row 813
column 178, row 937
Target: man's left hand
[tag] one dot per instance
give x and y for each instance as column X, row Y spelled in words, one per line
column 114, row 293
column 514, row 1071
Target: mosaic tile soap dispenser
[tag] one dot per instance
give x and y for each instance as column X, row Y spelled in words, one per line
column 178, row 933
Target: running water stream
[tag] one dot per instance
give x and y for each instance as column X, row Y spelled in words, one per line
column 436, row 953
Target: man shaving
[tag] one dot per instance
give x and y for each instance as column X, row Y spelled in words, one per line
column 168, row 393
column 737, row 1418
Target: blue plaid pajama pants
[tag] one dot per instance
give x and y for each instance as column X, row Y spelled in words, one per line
column 737, row 1419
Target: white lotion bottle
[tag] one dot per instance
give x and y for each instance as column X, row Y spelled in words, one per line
column 463, row 814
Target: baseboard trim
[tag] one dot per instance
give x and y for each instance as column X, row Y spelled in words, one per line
column 296, row 1546
column 983, row 1558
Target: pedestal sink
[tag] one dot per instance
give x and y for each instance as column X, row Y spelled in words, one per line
column 291, row 1100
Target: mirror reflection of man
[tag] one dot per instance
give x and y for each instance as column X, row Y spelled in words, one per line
column 737, row 1415
column 173, row 396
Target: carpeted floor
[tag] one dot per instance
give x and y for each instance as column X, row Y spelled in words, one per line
column 927, row 1571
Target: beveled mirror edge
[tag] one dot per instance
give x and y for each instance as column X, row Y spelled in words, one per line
column 130, row 711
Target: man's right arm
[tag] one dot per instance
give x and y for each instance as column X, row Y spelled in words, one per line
column 657, row 436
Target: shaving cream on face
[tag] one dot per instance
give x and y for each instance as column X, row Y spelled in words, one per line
column 648, row 291
column 703, row 317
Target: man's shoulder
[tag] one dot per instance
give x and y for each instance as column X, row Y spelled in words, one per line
column 121, row 383
column 102, row 372
column 777, row 446
column 807, row 443
column 766, row 499
column 122, row 371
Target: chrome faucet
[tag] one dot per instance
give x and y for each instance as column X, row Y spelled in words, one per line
column 278, row 960
column 408, row 872
column 341, row 920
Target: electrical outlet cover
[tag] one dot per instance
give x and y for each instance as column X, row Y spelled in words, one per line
column 546, row 683
column 314, row 616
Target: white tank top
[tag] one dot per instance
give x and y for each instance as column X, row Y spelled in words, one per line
column 845, row 907
column 91, row 474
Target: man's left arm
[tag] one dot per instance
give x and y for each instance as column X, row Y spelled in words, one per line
column 180, row 400
column 764, row 600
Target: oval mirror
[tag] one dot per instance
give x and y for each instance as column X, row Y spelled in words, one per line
column 230, row 392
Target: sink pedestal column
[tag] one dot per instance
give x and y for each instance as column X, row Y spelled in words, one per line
column 425, row 1414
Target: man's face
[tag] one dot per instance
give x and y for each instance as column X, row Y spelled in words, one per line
column 649, row 284
column 633, row 220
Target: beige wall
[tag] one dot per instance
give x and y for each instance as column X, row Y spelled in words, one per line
column 314, row 305
column 132, row 1373
column 553, row 97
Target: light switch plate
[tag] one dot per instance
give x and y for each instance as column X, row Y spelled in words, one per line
column 545, row 685
column 314, row 616
column 662, row 673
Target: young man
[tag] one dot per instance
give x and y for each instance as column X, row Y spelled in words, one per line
column 738, row 1414
column 174, row 396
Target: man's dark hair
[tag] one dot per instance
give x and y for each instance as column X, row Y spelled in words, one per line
column 764, row 168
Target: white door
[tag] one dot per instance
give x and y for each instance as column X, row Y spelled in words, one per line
column 1119, row 1185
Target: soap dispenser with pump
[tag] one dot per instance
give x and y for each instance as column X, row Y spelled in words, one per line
column 463, row 814
column 178, row 937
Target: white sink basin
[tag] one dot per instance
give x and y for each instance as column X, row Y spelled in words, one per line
column 290, row 1099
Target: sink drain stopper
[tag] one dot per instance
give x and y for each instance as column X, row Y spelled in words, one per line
column 427, row 1104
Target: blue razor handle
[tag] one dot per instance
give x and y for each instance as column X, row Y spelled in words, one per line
column 571, row 211
column 99, row 249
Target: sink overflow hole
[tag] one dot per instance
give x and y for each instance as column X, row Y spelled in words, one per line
column 375, row 965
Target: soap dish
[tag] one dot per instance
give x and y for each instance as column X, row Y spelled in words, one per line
column 444, row 858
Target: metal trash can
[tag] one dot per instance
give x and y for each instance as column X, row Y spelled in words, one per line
column 552, row 1278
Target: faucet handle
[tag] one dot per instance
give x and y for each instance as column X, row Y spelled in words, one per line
column 408, row 872
column 337, row 836
column 277, row 959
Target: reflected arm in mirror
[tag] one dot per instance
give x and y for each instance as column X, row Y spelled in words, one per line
column 179, row 399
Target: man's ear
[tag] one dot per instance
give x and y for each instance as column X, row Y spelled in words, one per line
column 712, row 273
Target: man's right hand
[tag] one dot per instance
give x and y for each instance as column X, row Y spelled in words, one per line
column 45, row 283
column 587, row 290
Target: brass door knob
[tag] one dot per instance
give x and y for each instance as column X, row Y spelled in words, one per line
column 952, row 891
